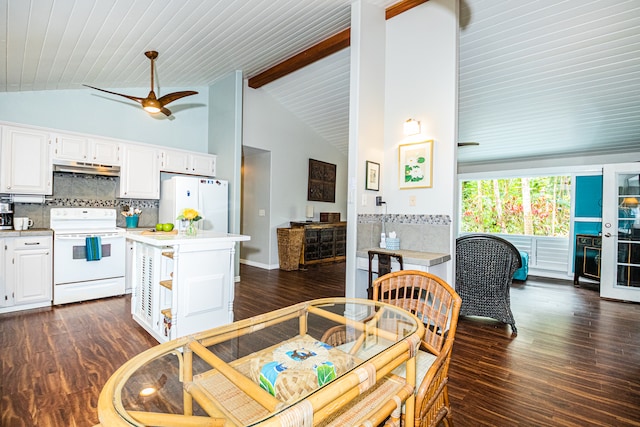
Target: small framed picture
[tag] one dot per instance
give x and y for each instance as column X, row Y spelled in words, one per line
column 373, row 176
column 415, row 165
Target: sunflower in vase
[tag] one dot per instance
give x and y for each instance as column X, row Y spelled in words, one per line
column 191, row 215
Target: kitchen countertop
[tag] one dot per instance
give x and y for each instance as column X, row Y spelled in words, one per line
column 203, row 237
column 427, row 259
column 27, row 233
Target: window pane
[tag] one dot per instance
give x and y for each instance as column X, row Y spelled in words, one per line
column 539, row 206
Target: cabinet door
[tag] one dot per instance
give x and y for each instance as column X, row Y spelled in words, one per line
column 33, row 280
column 140, row 173
column 6, row 294
column 73, row 148
column 341, row 241
column 104, row 152
column 26, row 162
column 203, row 165
column 174, row 161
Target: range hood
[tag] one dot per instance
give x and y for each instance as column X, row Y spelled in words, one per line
column 86, row 168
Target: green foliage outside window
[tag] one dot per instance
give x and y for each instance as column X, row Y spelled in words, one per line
column 539, row 206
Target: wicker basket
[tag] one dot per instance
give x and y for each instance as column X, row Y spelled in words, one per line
column 289, row 247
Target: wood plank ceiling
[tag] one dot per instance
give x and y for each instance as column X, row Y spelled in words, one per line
column 544, row 78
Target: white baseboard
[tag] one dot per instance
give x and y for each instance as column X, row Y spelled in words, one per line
column 562, row 275
column 259, row 264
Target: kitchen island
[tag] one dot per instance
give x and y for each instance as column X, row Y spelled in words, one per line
column 180, row 284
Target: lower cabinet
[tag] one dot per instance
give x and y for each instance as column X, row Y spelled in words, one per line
column 27, row 279
column 181, row 290
column 323, row 242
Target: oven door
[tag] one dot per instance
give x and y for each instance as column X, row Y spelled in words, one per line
column 70, row 258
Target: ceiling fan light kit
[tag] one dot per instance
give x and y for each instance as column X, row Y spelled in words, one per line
column 151, row 104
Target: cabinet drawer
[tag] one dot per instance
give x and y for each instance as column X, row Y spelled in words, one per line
column 35, row 242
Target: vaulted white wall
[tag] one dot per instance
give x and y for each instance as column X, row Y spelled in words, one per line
column 270, row 127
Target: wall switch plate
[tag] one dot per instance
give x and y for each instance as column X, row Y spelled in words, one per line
column 412, row 200
column 364, row 200
column 261, row 212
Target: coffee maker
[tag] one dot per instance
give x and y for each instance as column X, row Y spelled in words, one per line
column 6, row 215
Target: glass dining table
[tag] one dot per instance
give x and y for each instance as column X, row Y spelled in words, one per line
column 322, row 362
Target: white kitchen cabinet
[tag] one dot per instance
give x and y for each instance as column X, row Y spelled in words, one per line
column 27, row 278
column 140, row 172
column 87, row 150
column 6, row 298
column 26, row 161
column 185, row 162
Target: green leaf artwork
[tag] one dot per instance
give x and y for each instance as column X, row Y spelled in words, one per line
column 265, row 384
column 326, row 373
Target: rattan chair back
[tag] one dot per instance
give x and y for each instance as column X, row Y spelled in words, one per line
column 437, row 304
column 427, row 296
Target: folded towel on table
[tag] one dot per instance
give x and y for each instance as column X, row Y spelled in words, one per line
column 94, row 248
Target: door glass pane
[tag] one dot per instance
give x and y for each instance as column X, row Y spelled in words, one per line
column 628, row 263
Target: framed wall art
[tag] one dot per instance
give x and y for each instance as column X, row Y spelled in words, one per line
column 322, row 181
column 415, row 165
column 373, row 176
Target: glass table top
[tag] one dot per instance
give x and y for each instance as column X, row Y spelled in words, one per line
column 251, row 370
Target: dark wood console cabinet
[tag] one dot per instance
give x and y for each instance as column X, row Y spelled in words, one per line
column 323, row 241
column 587, row 258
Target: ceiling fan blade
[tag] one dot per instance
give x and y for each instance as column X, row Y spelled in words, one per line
column 133, row 98
column 165, row 111
column 465, row 144
column 170, row 97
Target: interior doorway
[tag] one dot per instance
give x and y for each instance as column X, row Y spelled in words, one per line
column 255, row 199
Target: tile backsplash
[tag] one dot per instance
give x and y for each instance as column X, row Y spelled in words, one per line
column 71, row 190
column 424, row 233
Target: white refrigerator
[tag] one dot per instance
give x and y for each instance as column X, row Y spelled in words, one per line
column 209, row 196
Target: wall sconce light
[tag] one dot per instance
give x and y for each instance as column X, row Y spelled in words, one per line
column 411, row 127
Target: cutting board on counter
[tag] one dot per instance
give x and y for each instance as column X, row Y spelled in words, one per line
column 159, row 233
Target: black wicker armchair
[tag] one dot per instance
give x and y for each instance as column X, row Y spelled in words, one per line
column 484, row 270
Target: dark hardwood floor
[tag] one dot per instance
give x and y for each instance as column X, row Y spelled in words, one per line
column 575, row 361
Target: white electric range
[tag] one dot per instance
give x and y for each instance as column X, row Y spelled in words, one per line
column 77, row 277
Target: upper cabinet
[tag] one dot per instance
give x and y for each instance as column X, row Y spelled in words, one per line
column 26, row 161
column 184, row 162
column 140, row 172
column 86, row 150
column 28, row 156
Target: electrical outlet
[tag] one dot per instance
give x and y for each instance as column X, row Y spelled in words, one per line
column 261, row 212
column 412, row 200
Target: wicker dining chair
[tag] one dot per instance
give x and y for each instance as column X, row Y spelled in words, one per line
column 437, row 305
column 484, row 272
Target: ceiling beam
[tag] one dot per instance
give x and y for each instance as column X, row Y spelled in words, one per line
column 321, row 50
column 402, row 6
